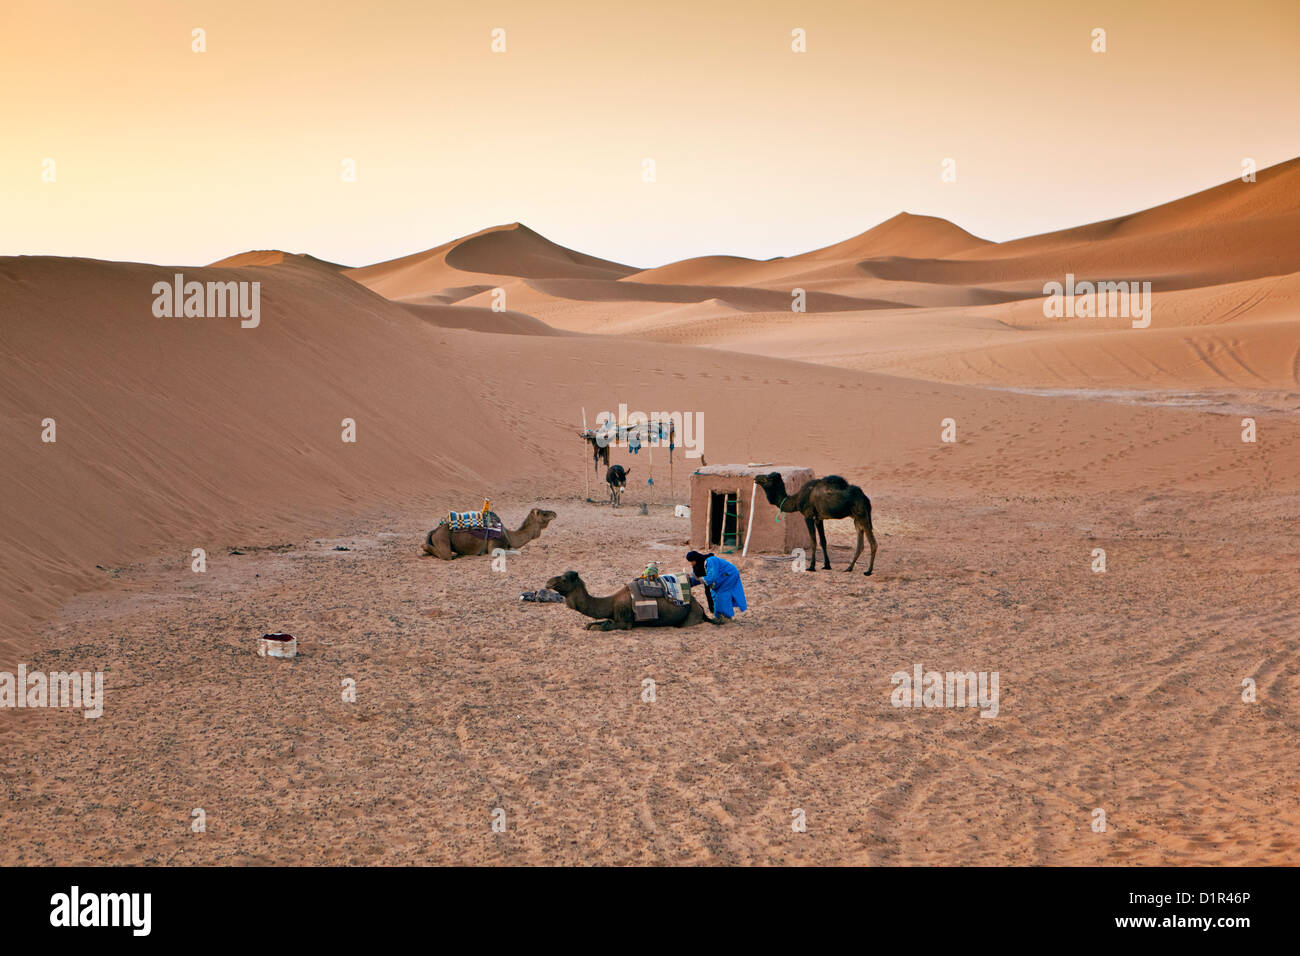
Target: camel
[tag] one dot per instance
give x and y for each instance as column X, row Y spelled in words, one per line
column 818, row 500
column 615, row 611
column 444, row 543
column 616, row 478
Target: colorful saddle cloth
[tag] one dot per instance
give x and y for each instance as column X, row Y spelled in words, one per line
column 481, row 524
column 679, row 589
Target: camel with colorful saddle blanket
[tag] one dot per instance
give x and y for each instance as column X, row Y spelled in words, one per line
column 480, row 532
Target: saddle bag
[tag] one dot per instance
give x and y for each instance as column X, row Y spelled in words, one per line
column 646, row 610
column 647, row 589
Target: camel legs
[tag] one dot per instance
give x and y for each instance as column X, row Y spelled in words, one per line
column 812, row 535
column 826, row 552
column 608, row 625
column 857, row 554
column 871, row 537
column 697, row 616
column 438, row 543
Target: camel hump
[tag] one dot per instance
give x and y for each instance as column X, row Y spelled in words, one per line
column 835, row 481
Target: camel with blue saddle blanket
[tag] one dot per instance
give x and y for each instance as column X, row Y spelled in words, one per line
column 481, row 532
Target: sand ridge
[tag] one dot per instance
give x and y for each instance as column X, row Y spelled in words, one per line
column 913, row 286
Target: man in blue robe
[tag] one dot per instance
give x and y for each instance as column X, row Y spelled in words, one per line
column 722, row 579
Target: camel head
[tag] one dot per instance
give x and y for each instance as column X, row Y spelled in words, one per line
column 773, row 486
column 565, row 583
column 541, row 516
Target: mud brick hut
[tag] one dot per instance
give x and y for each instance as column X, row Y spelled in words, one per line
column 720, row 503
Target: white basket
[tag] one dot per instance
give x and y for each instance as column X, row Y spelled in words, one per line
column 277, row 645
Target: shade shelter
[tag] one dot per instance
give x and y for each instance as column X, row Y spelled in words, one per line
column 722, row 497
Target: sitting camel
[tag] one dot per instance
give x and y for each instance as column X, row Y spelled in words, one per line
column 616, row 612
column 616, row 478
column 819, row 499
column 444, row 543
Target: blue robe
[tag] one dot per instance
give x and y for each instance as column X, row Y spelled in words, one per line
column 723, row 580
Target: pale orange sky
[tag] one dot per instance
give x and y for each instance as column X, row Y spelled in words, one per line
column 169, row 156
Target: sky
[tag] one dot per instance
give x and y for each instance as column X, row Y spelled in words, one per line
column 162, row 154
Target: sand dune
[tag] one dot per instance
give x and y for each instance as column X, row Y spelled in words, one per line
column 903, row 235
column 741, row 298
column 184, row 430
column 272, row 257
column 1275, row 194
column 480, row 320
column 1243, row 335
column 919, row 296
column 1208, row 255
column 1225, row 264
column 179, row 429
column 1231, row 232
column 511, row 250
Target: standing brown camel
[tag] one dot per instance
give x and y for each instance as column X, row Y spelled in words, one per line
column 615, row 612
column 444, row 543
column 819, row 499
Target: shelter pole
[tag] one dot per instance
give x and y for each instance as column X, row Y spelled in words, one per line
column 586, row 476
column 672, row 444
column 753, row 493
column 708, row 522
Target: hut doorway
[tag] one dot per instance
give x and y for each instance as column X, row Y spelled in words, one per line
column 724, row 519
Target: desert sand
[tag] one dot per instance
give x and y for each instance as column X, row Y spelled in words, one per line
column 1120, row 690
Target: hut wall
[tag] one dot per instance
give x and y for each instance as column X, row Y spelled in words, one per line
column 768, row 535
